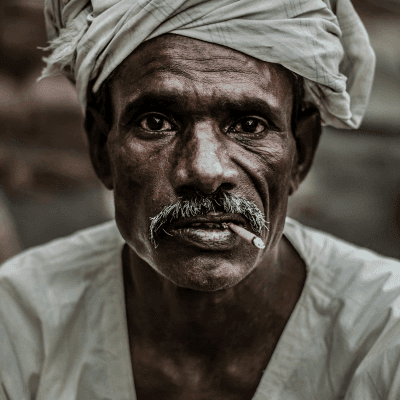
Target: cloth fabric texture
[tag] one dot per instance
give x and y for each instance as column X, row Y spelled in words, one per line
column 322, row 40
column 63, row 331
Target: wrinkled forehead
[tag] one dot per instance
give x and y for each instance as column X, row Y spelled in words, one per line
column 172, row 61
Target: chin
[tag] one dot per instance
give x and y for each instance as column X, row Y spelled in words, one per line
column 204, row 278
column 207, row 285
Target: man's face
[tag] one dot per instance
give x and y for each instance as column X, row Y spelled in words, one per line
column 196, row 118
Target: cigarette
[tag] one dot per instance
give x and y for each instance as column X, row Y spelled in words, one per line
column 249, row 237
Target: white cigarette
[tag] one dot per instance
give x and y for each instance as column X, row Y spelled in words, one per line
column 246, row 235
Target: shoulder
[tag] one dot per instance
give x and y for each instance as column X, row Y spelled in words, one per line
column 40, row 290
column 342, row 262
column 83, row 248
column 40, row 273
column 361, row 279
column 356, row 292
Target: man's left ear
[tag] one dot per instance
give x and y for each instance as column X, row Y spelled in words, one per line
column 307, row 133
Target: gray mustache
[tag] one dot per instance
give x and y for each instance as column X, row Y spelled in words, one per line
column 200, row 204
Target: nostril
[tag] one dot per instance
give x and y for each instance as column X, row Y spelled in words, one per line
column 186, row 191
column 226, row 187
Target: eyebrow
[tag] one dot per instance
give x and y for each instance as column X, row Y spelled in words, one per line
column 145, row 101
column 173, row 102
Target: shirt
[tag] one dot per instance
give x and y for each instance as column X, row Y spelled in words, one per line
column 63, row 331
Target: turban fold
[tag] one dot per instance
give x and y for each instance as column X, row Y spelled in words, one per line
column 322, row 40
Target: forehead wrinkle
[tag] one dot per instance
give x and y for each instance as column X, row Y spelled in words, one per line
column 226, row 64
column 171, row 85
column 190, row 58
column 177, row 80
column 178, row 53
column 230, row 75
column 185, row 68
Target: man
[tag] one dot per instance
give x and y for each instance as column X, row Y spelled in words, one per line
column 203, row 117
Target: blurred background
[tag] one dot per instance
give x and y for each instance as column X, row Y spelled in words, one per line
column 48, row 187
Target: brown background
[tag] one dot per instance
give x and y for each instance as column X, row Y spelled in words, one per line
column 48, row 188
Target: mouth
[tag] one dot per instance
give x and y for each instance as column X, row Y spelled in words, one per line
column 207, row 231
column 206, row 225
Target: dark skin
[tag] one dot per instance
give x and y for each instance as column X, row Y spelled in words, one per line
column 203, row 321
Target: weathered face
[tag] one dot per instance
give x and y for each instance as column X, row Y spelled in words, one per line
column 194, row 117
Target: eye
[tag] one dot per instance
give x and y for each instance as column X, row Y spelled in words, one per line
column 248, row 125
column 155, row 122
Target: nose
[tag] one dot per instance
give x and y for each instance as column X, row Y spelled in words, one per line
column 203, row 162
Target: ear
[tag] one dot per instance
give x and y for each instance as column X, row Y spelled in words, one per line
column 307, row 133
column 97, row 130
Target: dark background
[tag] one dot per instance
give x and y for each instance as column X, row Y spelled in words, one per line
column 47, row 184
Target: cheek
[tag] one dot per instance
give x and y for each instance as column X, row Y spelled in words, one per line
column 129, row 161
column 274, row 170
column 279, row 174
column 139, row 188
column 136, row 165
column 126, row 166
column 275, row 163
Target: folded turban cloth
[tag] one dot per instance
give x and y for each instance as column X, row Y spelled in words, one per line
column 322, row 40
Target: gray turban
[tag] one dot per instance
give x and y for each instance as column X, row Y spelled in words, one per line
column 322, row 40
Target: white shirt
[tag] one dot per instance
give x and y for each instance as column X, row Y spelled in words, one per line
column 63, row 332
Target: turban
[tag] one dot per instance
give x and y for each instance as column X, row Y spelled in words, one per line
column 322, row 40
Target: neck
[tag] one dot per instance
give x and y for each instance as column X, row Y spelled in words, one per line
column 254, row 309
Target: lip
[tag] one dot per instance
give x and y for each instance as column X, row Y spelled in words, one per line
column 206, row 238
column 213, row 217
